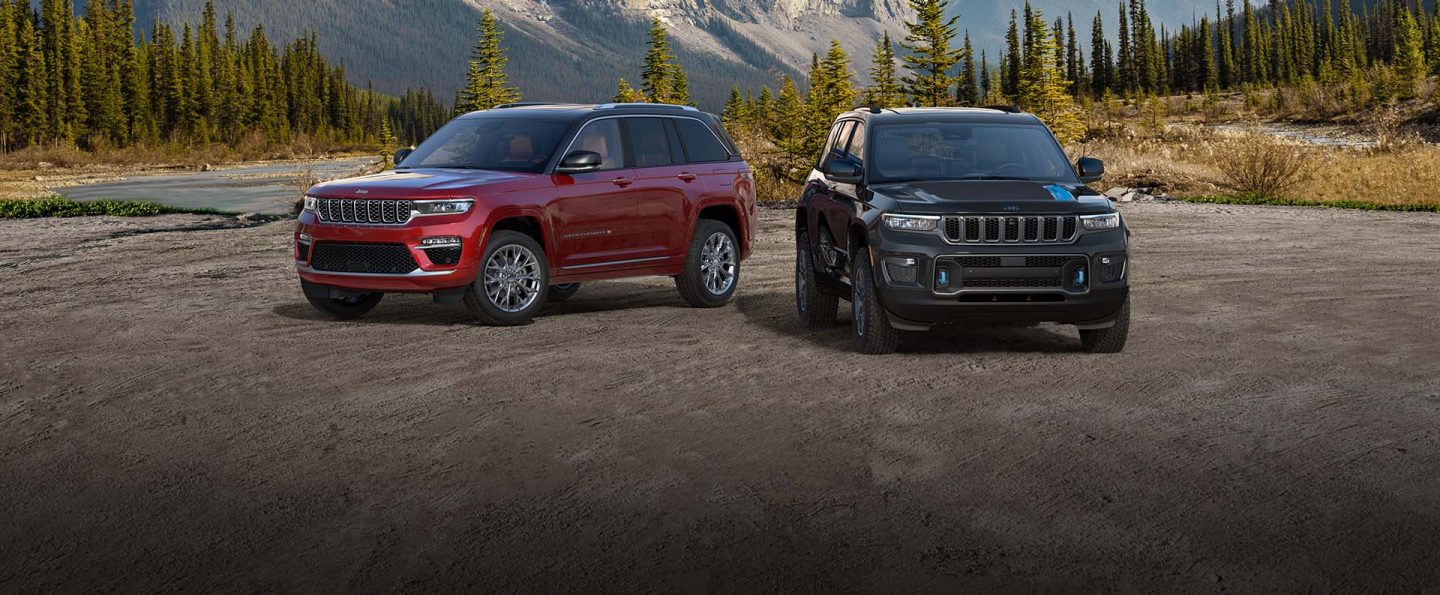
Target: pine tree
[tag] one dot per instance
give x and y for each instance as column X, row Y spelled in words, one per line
column 735, row 107
column 1099, row 56
column 966, row 91
column 929, row 58
column 885, row 90
column 679, row 86
column 487, row 84
column 1409, row 51
column 787, row 125
column 657, row 79
column 1043, row 88
column 9, row 57
column 1012, row 61
column 831, row 93
column 624, row 93
column 1225, row 66
column 33, row 84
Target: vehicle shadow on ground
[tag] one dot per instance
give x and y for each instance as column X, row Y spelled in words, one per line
column 419, row 309
column 776, row 311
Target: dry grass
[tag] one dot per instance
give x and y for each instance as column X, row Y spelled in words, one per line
column 1263, row 168
column 1193, row 161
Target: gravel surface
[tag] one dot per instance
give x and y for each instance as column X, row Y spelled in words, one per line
column 173, row 416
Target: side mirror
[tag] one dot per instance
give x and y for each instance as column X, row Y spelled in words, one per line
column 842, row 171
column 579, row 161
column 401, row 154
column 1090, row 169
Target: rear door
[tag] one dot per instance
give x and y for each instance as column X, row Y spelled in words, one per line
column 723, row 181
column 592, row 211
column 663, row 183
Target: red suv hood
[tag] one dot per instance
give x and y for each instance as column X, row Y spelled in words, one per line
column 414, row 183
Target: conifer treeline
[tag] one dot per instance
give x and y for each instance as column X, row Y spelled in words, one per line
column 1384, row 51
column 92, row 81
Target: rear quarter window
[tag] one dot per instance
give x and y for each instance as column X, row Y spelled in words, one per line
column 700, row 142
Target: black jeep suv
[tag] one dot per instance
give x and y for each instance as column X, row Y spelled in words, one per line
column 949, row 215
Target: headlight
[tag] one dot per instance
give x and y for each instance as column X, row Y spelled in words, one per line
column 911, row 222
column 444, row 207
column 1100, row 222
column 310, row 204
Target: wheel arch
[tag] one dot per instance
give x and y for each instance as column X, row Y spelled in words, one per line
column 729, row 214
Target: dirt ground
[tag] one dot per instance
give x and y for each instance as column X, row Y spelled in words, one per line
column 173, row 416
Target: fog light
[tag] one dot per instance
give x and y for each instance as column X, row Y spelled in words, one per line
column 901, row 271
column 1112, row 268
column 305, row 237
column 439, row 241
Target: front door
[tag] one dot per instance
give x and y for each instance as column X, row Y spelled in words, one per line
column 594, row 212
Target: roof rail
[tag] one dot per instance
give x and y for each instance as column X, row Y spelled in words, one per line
column 526, row 104
column 651, row 105
column 1009, row 109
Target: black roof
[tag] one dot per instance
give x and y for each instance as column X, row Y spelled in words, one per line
column 976, row 115
column 569, row 111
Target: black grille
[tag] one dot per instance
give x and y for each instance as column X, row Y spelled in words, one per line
column 978, row 261
column 444, row 256
column 390, row 259
column 1041, row 229
column 363, row 211
column 1047, row 261
column 1027, row 283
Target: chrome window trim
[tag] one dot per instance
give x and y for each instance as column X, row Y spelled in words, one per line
column 577, row 134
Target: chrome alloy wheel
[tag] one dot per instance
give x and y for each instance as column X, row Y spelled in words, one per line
column 717, row 263
column 512, row 278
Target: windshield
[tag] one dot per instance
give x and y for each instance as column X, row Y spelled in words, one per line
column 966, row 151
column 504, row 144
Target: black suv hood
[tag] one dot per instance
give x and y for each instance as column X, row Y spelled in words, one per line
column 989, row 196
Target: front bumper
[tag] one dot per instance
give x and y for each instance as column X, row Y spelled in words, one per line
column 1065, row 283
column 426, row 278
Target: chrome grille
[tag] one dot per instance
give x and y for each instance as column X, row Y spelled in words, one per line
column 363, row 211
column 1011, row 229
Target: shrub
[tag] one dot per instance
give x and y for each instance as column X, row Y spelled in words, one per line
column 1262, row 168
column 56, row 206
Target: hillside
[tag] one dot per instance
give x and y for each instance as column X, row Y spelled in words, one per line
column 575, row 50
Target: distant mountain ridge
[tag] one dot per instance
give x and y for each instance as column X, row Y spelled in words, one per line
column 575, row 50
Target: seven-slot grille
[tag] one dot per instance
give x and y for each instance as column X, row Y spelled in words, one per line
column 1011, row 229
column 387, row 259
column 363, row 211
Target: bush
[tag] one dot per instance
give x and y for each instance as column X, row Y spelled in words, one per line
column 1262, row 168
column 56, row 206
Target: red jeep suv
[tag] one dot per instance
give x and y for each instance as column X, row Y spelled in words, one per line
column 509, row 207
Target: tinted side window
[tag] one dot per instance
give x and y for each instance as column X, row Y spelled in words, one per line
column 837, row 144
column 649, row 146
column 700, row 143
column 857, row 143
column 603, row 137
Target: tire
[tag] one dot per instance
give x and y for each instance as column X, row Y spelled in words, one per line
column 712, row 266
column 562, row 292
column 513, row 280
column 345, row 308
column 869, row 323
column 1108, row 340
column 816, row 308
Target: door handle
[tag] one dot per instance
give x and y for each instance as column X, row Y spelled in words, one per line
column 687, row 176
column 622, row 182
